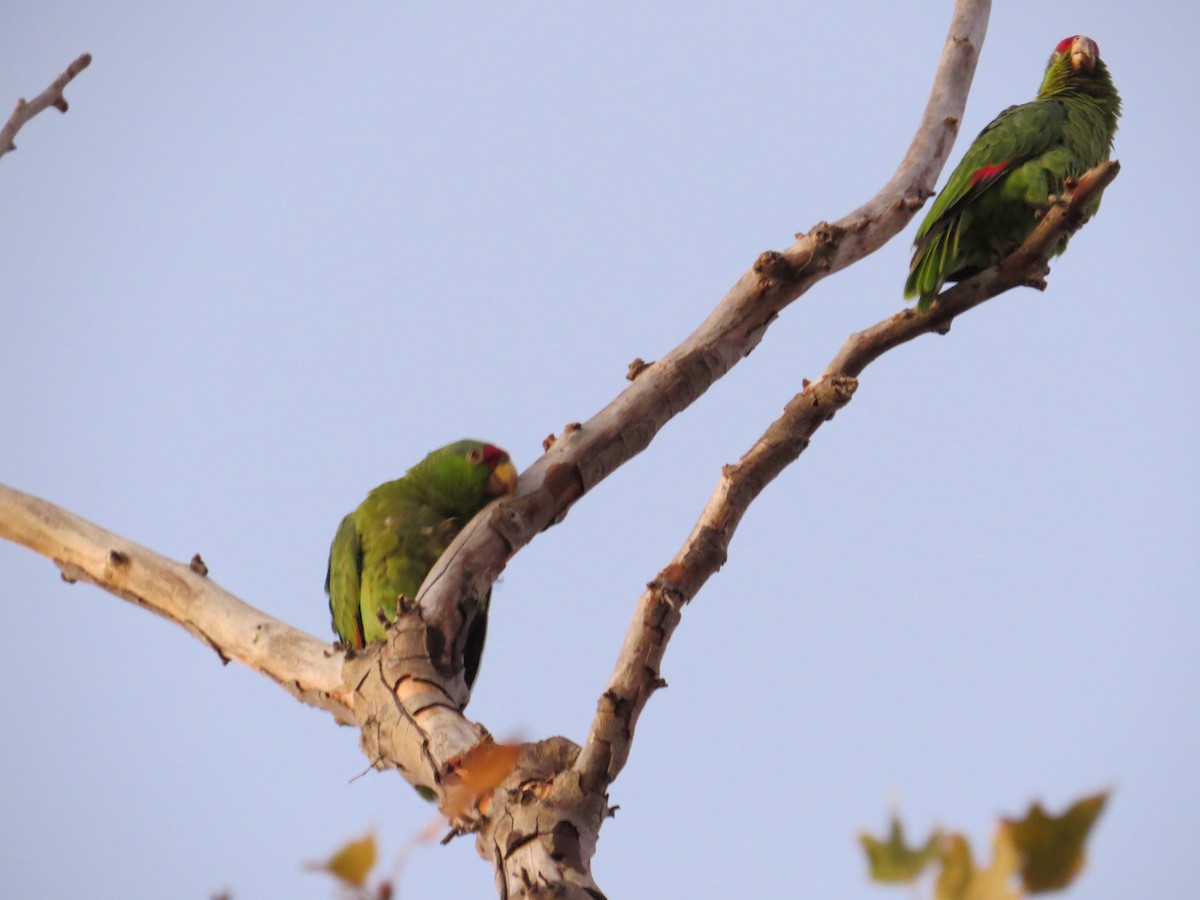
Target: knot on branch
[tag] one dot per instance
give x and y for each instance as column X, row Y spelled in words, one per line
column 824, row 233
column 668, row 586
column 914, row 199
column 774, row 268
column 637, row 367
column 829, row 393
column 824, row 238
column 843, row 388
column 117, row 566
column 771, row 263
column 1036, row 279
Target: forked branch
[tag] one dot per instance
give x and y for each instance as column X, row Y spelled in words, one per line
column 636, row 675
column 588, row 453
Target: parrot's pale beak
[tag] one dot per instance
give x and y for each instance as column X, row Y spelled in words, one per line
column 1083, row 54
column 503, row 480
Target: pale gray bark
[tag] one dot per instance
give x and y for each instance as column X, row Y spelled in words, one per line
column 304, row 666
column 51, row 96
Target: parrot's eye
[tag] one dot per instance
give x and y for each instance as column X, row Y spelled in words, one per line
column 475, row 457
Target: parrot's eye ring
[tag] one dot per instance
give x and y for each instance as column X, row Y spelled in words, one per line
column 475, row 457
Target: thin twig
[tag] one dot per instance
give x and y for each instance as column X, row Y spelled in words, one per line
column 51, row 96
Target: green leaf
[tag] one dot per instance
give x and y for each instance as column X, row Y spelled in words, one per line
column 893, row 861
column 1052, row 848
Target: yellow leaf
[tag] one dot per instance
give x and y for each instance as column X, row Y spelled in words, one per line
column 353, row 862
column 996, row 881
column 961, row 879
column 958, row 869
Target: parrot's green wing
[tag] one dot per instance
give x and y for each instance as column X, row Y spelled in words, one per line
column 342, row 584
column 1009, row 157
column 1010, row 140
column 387, row 546
column 402, row 532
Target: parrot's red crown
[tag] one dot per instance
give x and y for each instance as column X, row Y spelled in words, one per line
column 1064, row 46
column 493, row 456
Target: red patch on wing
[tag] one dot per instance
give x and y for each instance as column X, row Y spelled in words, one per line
column 493, row 456
column 988, row 171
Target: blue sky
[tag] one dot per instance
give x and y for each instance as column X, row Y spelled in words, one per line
column 276, row 252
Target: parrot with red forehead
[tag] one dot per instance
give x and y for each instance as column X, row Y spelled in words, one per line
column 386, row 547
column 1010, row 173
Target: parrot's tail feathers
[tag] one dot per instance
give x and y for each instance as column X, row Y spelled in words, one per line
column 928, row 271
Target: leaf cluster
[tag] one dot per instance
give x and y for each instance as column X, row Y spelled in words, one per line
column 1035, row 854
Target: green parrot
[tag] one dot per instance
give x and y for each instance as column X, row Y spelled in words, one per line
column 386, row 547
column 1006, row 180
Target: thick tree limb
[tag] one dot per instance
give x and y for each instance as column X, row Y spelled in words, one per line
column 636, row 675
column 588, row 453
column 51, row 96
column 307, row 668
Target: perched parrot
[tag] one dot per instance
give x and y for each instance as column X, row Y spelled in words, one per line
column 386, row 547
column 1006, row 180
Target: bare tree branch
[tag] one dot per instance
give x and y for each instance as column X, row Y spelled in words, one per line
column 307, row 668
column 541, row 826
column 51, row 96
column 588, row 453
column 636, row 675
